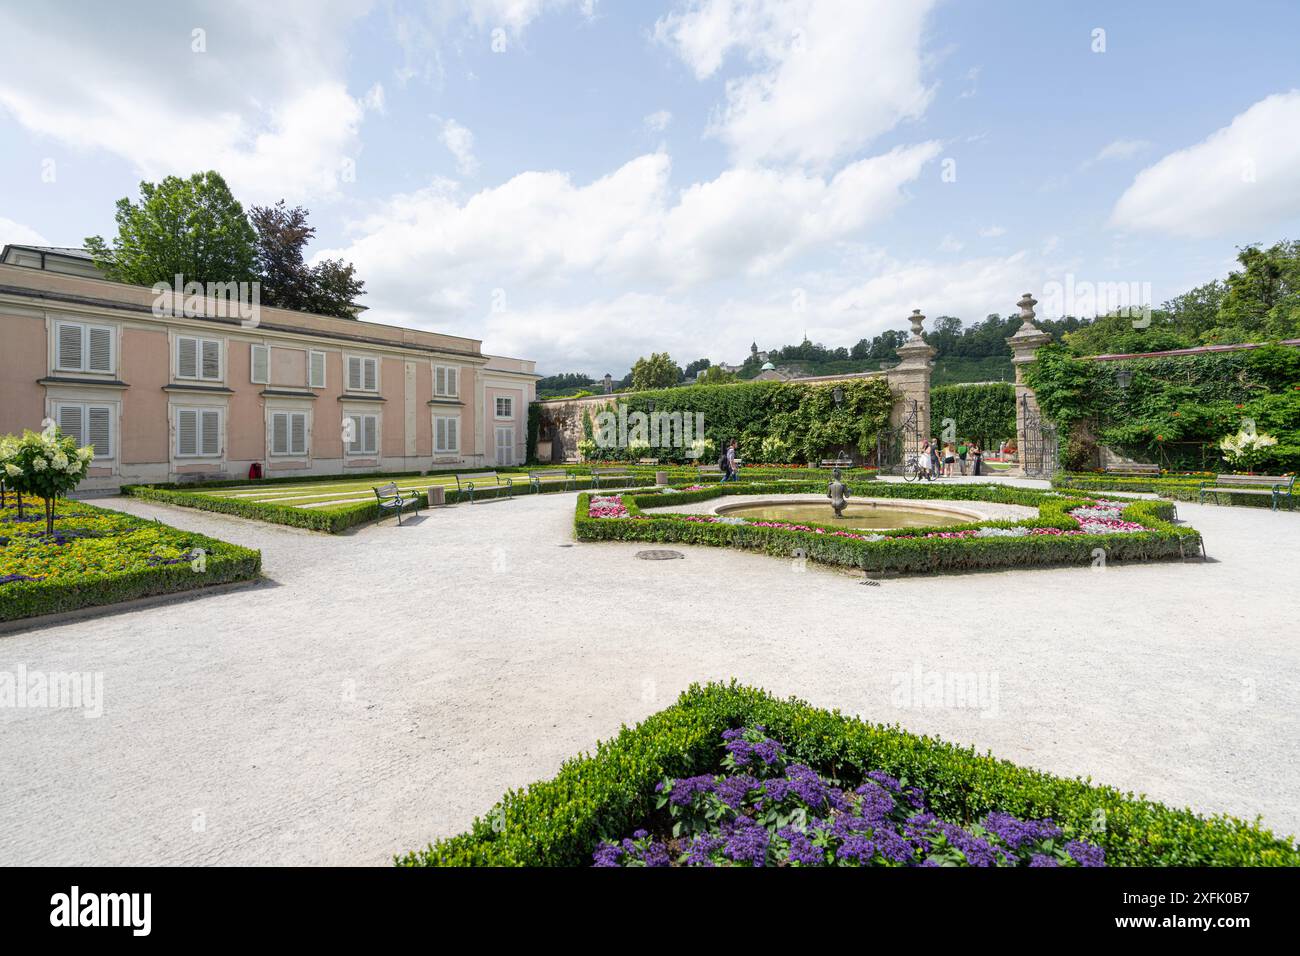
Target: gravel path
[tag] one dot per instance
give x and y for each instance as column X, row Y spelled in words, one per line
column 385, row 686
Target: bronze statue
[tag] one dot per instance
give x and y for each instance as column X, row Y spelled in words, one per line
column 838, row 492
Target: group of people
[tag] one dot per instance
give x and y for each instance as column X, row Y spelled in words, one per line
column 945, row 461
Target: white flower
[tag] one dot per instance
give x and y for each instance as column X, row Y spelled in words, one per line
column 59, row 461
column 85, row 454
column 39, row 463
column 12, row 470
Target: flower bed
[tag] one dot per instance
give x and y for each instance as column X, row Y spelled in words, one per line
column 96, row 556
column 597, row 798
column 1069, row 529
column 765, row 809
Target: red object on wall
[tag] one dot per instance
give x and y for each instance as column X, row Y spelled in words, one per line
column 255, row 470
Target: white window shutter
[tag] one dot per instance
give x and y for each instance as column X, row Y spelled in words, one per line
column 354, row 374
column 453, row 385
column 440, row 434
column 99, row 430
column 70, row 423
column 453, row 439
column 211, row 359
column 279, row 434
column 100, row 349
column 211, row 433
column 371, row 383
column 187, row 358
column 260, row 364
column 354, row 446
column 316, row 371
column 187, row 432
column 69, row 356
column 298, row 434
column 372, row 429
column 439, row 381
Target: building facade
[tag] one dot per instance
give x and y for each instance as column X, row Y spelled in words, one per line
column 168, row 389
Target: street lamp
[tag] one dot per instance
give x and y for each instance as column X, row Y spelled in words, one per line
column 838, row 395
column 1124, row 378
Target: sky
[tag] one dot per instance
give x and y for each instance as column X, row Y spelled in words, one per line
column 582, row 182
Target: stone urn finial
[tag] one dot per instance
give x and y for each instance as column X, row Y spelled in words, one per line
column 916, row 318
column 1026, row 304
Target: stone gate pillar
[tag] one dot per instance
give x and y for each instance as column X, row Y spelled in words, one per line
column 1024, row 344
column 911, row 376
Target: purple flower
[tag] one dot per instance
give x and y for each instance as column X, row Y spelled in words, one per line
column 746, row 842
column 1040, row 859
column 703, row 846
column 733, row 790
column 858, row 849
column 802, row 850
column 1085, row 854
column 1016, row 833
column 607, row 854
column 682, row 792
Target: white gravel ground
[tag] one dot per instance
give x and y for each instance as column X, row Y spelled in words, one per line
column 384, row 687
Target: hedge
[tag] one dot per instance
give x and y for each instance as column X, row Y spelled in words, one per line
column 331, row 520
column 223, row 563
column 558, row 822
column 1179, row 489
column 902, row 551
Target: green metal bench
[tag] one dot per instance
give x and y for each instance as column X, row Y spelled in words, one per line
column 710, row 471
column 1277, row 487
column 536, row 478
column 598, row 476
column 391, row 499
column 1136, row 470
column 465, row 484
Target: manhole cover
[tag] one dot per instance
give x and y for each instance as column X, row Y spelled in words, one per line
column 659, row 555
column 566, row 546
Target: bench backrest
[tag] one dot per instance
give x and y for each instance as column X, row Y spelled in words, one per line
column 548, row 474
column 387, row 491
column 1255, row 481
column 1138, row 469
column 480, row 476
column 609, row 471
column 710, row 469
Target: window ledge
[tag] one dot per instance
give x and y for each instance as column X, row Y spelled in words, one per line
column 187, row 387
column 67, row 380
column 358, row 397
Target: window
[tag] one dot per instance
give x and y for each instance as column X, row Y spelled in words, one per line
column 363, row 374
column 259, row 364
column 315, row 369
column 88, row 425
column 446, row 434
column 198, row 432
column 198, row 358
column 83, row 348
column 505, row 408
column 361, row 432
column 288, row 433
column 446, row 381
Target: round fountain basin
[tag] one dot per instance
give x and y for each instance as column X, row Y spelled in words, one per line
column 869, row 515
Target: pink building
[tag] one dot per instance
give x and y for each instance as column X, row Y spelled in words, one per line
column 169, row 389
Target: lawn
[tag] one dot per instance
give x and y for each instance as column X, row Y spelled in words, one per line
column 96, row 556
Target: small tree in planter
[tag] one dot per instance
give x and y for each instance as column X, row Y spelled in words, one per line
column 48, row 465
column 8, row 445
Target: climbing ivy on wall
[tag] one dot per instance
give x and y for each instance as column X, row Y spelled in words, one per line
column 1164, row 409
column 986, row 413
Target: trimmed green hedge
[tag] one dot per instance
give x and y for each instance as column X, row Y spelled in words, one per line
column 900, row 553
column 331, row 520
column 223, row 563
column 558, row 822
column 1179, row 489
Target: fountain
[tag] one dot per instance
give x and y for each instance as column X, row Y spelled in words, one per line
column 838, row 492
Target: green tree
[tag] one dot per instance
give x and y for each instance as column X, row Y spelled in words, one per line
column 191, row 227
column 714, row 375
column 328, row 288
column 657, row 371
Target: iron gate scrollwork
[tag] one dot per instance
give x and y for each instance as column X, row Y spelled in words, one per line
column 894, row 445
column 1040, row 454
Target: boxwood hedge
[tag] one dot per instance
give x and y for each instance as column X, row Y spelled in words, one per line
column 904, row 551
column 558, row 822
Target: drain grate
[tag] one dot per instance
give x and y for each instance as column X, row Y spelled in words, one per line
column 659, row 555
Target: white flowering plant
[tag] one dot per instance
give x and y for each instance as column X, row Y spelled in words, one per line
column 1246, row 449
column 45, row 464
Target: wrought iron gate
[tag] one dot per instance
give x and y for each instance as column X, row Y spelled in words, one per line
column 1039, row 455
column 895, row 445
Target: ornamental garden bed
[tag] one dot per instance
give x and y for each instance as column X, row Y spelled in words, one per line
column 1071, row 528
column 701, row 784
column 96, row 557
column 1178, row 487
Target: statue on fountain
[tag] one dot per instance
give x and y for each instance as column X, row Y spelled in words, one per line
column 838, row 492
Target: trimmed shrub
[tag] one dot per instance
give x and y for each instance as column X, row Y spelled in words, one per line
column 558, row 822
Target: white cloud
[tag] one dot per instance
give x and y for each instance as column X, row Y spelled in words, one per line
column 969, row 289
column 658, row 121
column 1243, row 177
column 259, row 94
column 992, row 232
column 460, row 142
column 830, row 75
column 15, row 233
column 1122, row 149
column 950, row 243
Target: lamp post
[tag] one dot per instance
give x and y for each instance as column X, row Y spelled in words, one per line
column 1124, row 378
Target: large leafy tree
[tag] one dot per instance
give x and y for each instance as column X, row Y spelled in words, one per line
column 328, row 288
column 192, row 227
column 657, row 371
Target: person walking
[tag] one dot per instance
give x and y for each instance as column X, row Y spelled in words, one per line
column 733, row 470
column 962, row 449
column 977, row 458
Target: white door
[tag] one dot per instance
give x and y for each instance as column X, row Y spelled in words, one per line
column 505, row 446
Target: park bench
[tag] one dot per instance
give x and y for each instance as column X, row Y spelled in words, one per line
column 465, row 484
column 647, row 461
column 1136, row 470
column 836, row 463
column 598, row 476
column 710, row 471
column 537, row 478
column 391, row 499
column 1276, row 487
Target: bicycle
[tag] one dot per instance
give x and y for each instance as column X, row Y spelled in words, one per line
column 912, row 470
